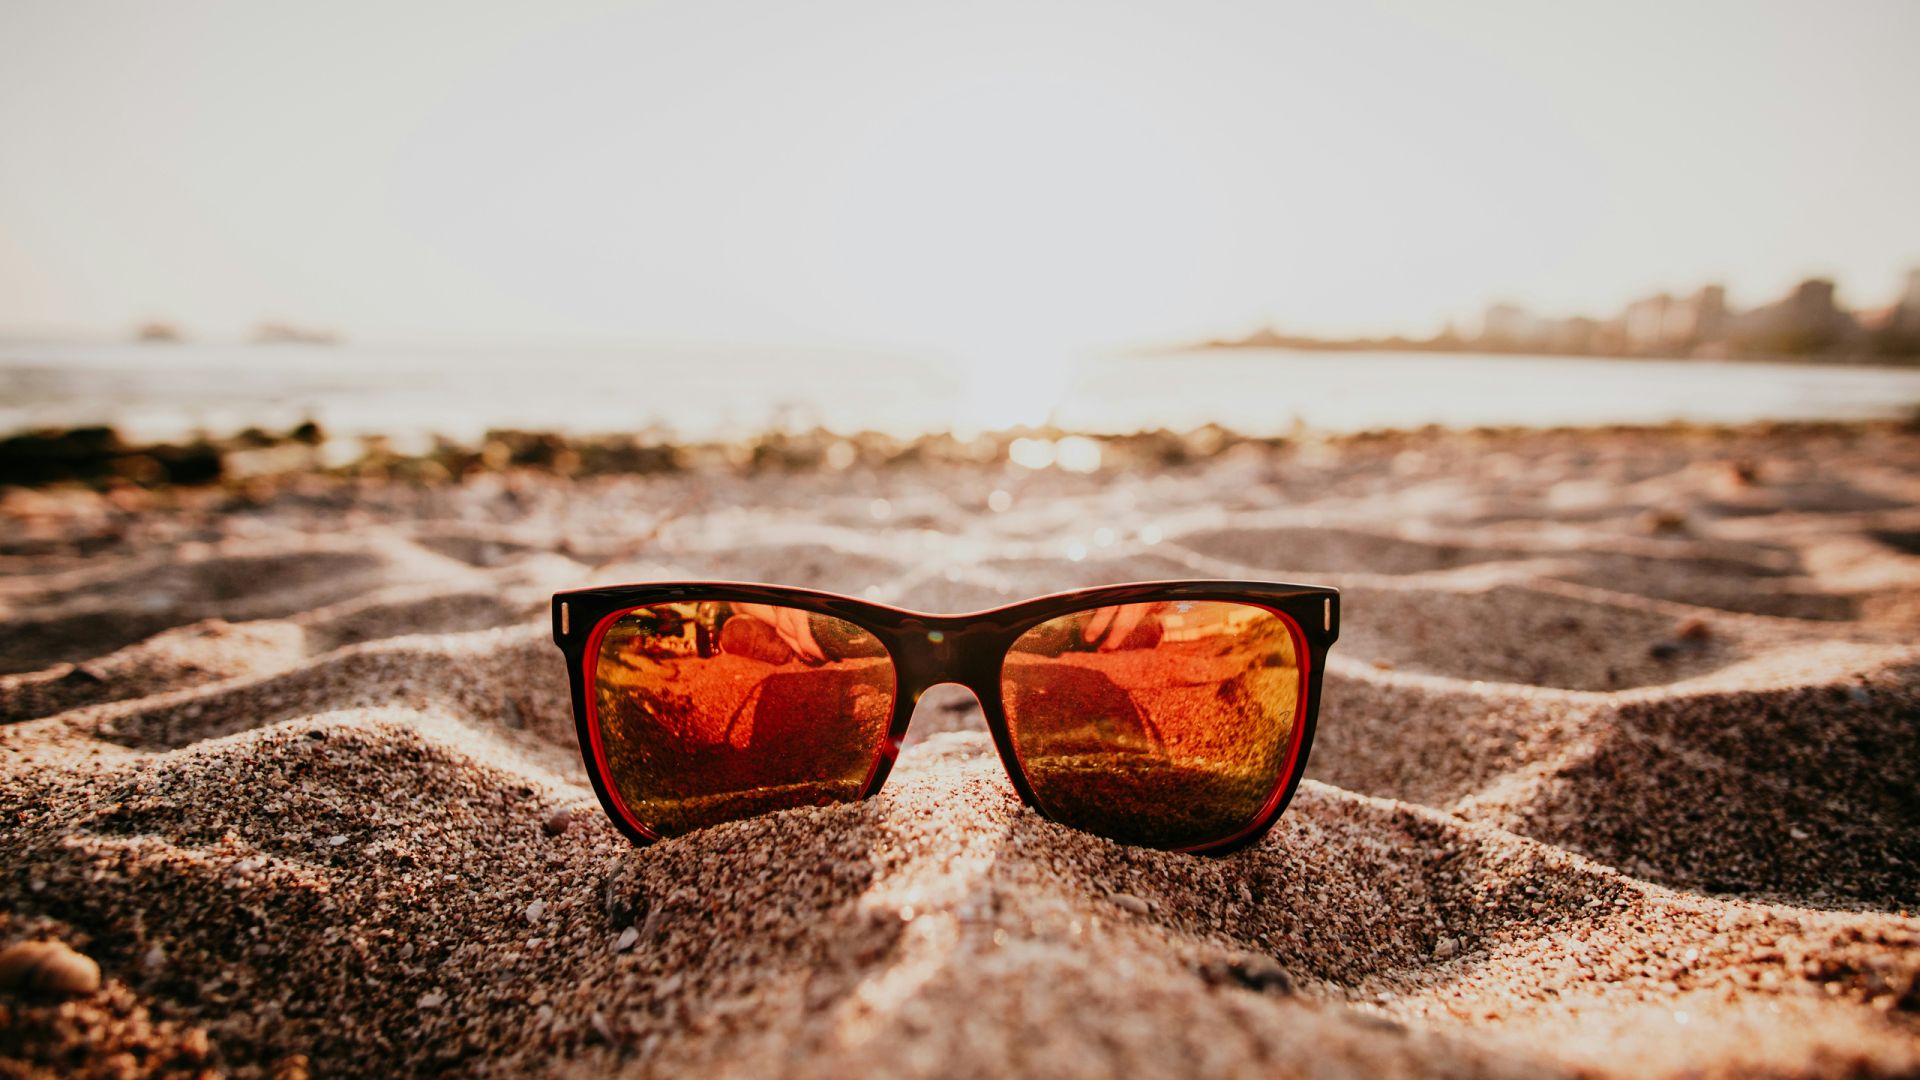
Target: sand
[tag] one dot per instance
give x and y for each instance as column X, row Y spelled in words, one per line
column 1617, row 774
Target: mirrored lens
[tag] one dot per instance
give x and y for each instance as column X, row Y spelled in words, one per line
column 1168, row 724
column 712, row 711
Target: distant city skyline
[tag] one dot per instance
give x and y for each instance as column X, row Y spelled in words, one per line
column 1809, row 321
column 1652, row 321
column 1812, row 318
column 993, row 183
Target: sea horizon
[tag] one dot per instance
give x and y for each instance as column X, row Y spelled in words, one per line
column 717, row 392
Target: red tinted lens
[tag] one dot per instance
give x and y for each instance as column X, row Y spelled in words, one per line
column 1170, row 724
column 708, row 712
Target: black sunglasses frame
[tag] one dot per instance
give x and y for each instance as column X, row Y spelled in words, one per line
column 928, row 649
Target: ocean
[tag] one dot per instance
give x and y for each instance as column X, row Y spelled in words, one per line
column 155, row 392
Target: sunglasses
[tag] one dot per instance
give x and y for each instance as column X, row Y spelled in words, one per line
column 1171, row 714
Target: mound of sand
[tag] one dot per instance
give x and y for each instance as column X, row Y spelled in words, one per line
column 1618, row 773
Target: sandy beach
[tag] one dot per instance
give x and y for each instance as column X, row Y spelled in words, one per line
column 1617, row 774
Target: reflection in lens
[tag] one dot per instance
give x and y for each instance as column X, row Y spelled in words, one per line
column 713, row 711
column 1167, row 724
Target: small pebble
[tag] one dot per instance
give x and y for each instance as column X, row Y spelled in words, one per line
column 1386, row 1023
column 557, row 822
column 535, row 910
column 1259, row 973
column 432, row 999
column 1446, row 949
column 195, row 1045
column 1663, row 522
column 1129, row 902
column 47, row 967
column 336, row 841
column 627, row 939
column 1692, row 629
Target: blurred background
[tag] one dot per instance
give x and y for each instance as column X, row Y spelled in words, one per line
column 709, row 221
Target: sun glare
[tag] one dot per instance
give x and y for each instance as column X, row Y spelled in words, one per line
column 1010, row 387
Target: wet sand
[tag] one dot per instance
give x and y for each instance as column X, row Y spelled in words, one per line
column 1617, row 774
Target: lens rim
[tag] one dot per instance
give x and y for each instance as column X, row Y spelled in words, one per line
column 968, row 649
column 601, row 766
column 1302, row 662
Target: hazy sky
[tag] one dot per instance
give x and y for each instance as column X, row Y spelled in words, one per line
column 947, row 176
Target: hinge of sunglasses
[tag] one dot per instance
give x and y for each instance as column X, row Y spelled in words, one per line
column 1326, row 614
column 565, row 619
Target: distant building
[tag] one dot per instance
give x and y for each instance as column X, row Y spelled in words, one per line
column 1578, row 335
column 1895, row 329
column 1805, row 322
column 1906, row 312
column 1646, row 323
column 1713, row 313
column 1699, row 319
column 1509, row 326
column 1812, row 307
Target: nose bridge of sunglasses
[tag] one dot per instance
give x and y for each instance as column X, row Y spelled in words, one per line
column 935, row 651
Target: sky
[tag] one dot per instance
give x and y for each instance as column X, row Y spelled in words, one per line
column 1040, row 174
